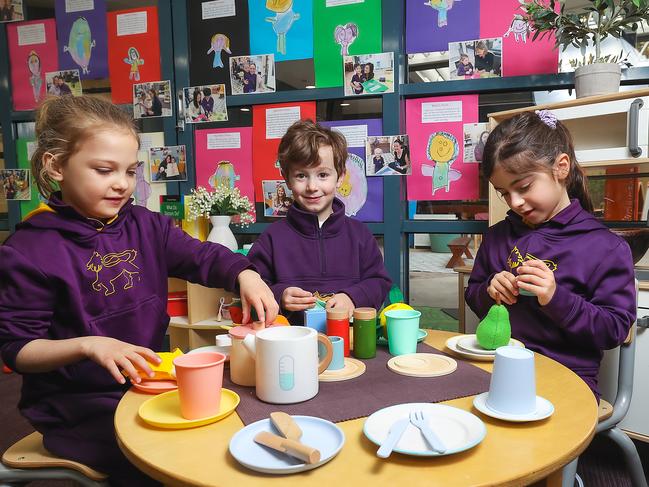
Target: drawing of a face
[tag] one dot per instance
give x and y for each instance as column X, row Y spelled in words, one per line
column 279, row 5
column 34, row 64
column 133, row 54
column 442, row 148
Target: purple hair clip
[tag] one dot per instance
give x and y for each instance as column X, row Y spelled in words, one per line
column 548, row 118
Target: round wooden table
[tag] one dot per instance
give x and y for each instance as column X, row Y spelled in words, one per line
column 510, row 454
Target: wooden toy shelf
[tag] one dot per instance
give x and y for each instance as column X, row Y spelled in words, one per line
column 199, row 327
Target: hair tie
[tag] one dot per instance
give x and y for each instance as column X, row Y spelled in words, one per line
column 548, row 118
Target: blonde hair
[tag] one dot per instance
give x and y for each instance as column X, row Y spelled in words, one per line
column 64, row 122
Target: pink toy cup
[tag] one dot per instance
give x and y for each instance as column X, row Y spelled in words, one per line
column 200, row 378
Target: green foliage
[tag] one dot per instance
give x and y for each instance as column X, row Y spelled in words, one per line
column 600, row 19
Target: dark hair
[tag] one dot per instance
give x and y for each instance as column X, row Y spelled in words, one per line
column 207, row 91
column 526, row 143
column 195, row 97
column 64, row 122
column 301, row 143
column 369, row 75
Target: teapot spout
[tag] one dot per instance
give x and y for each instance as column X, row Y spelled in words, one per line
column 249, row 344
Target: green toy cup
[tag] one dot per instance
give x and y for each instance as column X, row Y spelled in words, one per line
column 403, row 328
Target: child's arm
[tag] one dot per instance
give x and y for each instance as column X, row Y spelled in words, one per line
column 603, row 315
column 374, row 282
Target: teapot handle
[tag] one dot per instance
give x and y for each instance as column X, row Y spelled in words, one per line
column 326, row 360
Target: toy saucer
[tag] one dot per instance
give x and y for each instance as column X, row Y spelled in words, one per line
column 544, row 409
column 353, row 368
column 163, row 411
column 156, row 386
column 422, row 364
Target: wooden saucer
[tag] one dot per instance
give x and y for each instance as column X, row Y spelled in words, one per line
column 422, row 364
column 353, row 368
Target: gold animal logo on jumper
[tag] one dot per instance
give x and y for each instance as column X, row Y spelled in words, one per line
column 346, row 186
column 516, row 258
column 110, row 268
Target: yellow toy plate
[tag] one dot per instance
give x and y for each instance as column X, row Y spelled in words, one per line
column 163, row 410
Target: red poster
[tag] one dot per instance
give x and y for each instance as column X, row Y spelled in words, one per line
column 33, row 52
column 269, row 124
column 133, row 50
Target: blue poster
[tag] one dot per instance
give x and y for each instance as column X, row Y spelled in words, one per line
column 432, row 24
column 83, row 42
column 281, row 27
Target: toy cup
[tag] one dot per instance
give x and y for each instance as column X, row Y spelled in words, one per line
column 200, row 378
column 513, row 383
column 403, row 328
column 338, row 355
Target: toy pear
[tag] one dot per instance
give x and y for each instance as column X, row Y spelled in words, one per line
column 494, row 330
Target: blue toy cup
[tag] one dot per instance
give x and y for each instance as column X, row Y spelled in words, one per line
column 403, row 330
column 338, row 357
column 512, row 389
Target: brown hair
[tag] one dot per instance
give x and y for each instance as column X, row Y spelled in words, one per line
column 64, row 122
column 300, row 145
column 528, row 143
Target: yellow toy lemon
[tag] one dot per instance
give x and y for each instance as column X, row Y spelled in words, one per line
column 382, row 318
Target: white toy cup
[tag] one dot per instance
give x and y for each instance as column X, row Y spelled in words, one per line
column 513, row 382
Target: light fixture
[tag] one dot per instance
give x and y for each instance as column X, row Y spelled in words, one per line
column 245, row 109
column 345, row 104
column 309, row 87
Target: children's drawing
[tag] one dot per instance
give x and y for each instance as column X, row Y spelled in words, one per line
column 443, row 149
column 142, row 187
column 353, row 189
column 80, row 43
column 135, row 61
column 283, row 20
column 345, row 35
column 224, row 175
column 35, row 78
column 220, row 42
column 520, row 28
column 442, row 7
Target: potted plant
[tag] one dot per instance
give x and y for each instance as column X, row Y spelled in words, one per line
column 220, row 206
column 596, row 73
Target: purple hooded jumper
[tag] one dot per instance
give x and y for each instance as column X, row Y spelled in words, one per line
column 594, row 304
column 342, row 256
column 64, row 276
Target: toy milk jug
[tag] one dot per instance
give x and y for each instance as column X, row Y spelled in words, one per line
column 242, row 363
column 287, row 363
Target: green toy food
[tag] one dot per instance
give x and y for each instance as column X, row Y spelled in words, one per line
column 494, row 330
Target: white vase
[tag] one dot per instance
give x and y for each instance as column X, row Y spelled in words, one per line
column 221, row 233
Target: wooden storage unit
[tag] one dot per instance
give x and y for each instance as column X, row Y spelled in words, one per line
column 609, row 132
column 199, row 327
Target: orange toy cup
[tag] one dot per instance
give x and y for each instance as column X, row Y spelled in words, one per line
column 200, row 378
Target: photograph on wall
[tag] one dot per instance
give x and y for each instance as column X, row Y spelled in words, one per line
column 252, row 74
column 480, row 58
column 428, row 67
column 205, row 104
column 277, row 198
column 168, row 163
column 387, row 155
column 147, row 194
column 369, row 74
column 83, row 37
column 15, row 184
column 475, row 137
column 11, row 10
column 63, row 83
column 152, row 99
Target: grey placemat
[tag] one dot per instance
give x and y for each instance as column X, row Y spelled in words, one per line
column 377, row 388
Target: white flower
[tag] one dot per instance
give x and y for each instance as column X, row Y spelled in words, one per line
column 222, row 201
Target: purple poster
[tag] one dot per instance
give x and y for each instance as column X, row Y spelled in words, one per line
column 83, row 43
column 363, row 196
column 431, row 25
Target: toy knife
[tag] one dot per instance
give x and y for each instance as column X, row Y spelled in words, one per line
column 396, row 430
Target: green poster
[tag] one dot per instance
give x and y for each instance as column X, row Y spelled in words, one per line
column 343, row 28
column 23, row 153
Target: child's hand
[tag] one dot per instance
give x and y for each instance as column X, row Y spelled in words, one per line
column 297, row 299
column 503, row 288
column 256, row 293
column 535, row 276
column 341, row 301
column 114, row 355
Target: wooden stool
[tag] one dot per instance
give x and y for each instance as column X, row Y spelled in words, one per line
column 458, row 247
column 28, row 460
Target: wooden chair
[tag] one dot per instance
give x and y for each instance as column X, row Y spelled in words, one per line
column 611, row 415
column 28, row 460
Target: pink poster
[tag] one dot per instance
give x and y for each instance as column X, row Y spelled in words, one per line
column 33, row 52
column 436, row 130
column 521, row 56
column 225, row 156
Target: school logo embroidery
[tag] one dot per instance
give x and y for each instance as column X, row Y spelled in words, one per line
column 516, row 258
column 112, row 269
